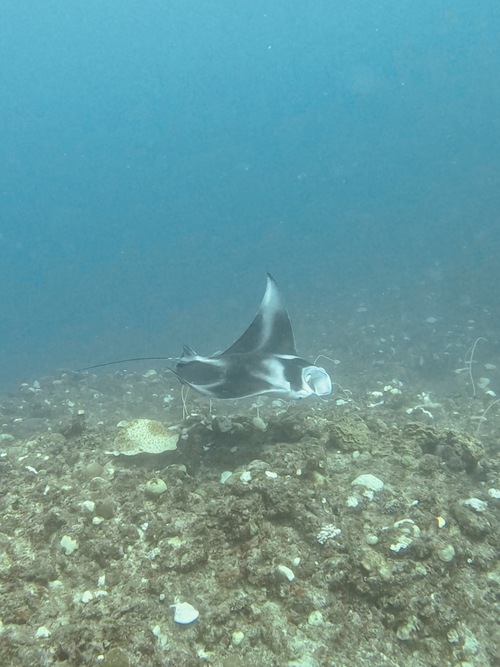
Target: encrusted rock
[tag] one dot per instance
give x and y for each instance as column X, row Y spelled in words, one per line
column 459, row 450
column 154, row 488
column 470, row 522
column 347, row 435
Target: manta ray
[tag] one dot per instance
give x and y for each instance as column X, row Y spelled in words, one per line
column 262, row 361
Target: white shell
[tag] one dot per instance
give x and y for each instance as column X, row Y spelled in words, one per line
column 185, row 613
column 225, row 476
column 285, row 573
column 369, row 482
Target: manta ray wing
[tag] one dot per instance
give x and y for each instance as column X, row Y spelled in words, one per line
column 270, row 330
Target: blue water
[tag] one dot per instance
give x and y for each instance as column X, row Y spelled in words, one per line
column 157, row 158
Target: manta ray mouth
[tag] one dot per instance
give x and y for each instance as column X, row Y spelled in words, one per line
column 318, row 380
